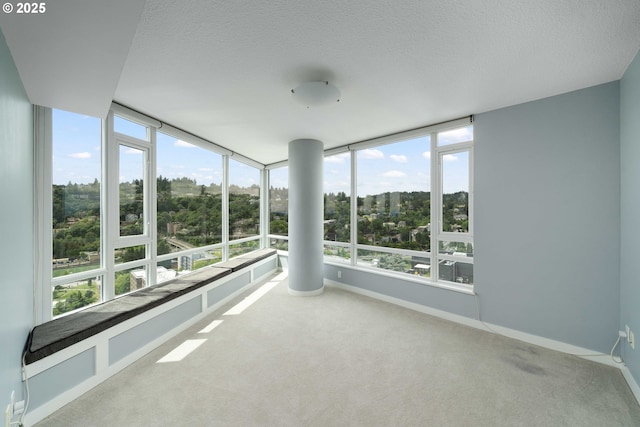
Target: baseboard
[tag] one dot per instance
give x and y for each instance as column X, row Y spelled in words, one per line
column 312, row 293
column 474, row 323
column 633, row 385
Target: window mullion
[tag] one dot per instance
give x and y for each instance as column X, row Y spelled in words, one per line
column 225, row 207
column 470, row 215
column 264, row 208
column 152, row 252
column 43, row 191
column 436, row 204
column 110, row 170
column 354, row 207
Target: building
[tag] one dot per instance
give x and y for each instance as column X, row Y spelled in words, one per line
column 545, row 147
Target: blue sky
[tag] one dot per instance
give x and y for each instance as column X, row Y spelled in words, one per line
column 76, row 148
column 402, row 166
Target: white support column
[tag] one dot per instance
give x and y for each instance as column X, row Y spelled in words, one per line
column 306, row 275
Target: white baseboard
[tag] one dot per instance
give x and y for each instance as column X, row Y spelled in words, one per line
column 633, row 385
column 312, row 293
column 581, row 352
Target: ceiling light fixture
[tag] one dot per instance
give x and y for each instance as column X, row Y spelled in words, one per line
column 315, row 94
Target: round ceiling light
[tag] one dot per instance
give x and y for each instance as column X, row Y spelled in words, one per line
column 314, row 94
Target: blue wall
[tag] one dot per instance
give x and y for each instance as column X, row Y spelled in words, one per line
column 630, row 211
column 16, row 221
column 547, row 209
column 547, row 222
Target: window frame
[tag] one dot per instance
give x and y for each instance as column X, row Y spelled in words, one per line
column 111, row 240
column 437, row 197
column 436, row 235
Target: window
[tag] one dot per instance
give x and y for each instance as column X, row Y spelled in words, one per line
column 130, row 128
column 130, row 207
column 244, row 201
column 279, row 201
column 189, row 197
column 244, row 208
column 454, row 250
column 279, row 207
column 413, row 204
column 132, row 190
column 394, row 205
column 76, row 234
column 337, row 206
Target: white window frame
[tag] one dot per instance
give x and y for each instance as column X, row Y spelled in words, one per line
column 109, row 205
column 436, row 233
column 148, row 237
column 437, row 193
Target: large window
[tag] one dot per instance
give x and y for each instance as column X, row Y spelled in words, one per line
column 129, row 155
column 131, row 207
column 189, row 182
column 454, row 250
column 413, row 204
column 279, row 207
column 76, row 184
column 394, row 208
column 394, row 205
column 189, row 196
column 337, row 206
column 244, row 207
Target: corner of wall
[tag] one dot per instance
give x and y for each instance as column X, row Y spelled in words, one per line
column 629, row 214
column 17, row 218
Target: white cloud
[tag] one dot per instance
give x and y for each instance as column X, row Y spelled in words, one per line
column 400, row 158
column 181, row 143
column 205, row 169
column 370, row 154
column 455, row 135
column 83, row 155
column 427, row 154
column 394, row 174
column 133, row 151
column 337, row 158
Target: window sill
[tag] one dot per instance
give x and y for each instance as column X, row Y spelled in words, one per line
column 450, row 286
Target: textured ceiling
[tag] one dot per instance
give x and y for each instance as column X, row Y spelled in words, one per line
column 223, row 70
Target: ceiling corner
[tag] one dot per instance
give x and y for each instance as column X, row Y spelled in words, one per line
column 70, row 56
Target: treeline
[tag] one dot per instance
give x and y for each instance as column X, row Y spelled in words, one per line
column 391, row 219
column 192, row 213
column 185, row 210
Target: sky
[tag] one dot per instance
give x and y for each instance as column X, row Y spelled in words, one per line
column 402, row 166
column 77, row 157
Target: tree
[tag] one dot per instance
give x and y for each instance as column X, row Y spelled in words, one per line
column 393, row 262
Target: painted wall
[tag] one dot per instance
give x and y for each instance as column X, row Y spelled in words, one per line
column 16, row 222
column 430, row 296
column 630, row 211
column 547, row 212
column 547, row 222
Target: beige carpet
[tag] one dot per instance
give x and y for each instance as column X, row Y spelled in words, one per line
column 341, row 359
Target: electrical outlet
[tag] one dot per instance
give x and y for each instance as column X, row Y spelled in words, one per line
column 632, row 339
column 626, row 328
column 18, row 408
column 339, row 274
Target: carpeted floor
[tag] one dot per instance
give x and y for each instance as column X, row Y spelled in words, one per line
column 341, row 359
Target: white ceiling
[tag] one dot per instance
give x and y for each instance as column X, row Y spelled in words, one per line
column 223, row 70
column 71, row 55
